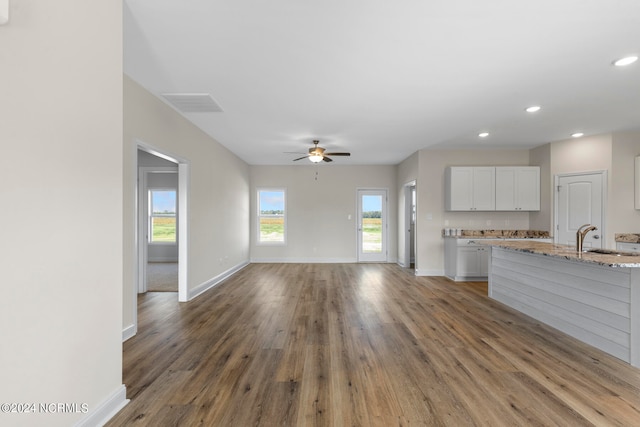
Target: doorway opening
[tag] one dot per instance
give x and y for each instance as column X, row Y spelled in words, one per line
column 408, row 259
column 158, row 219
column 173, row 167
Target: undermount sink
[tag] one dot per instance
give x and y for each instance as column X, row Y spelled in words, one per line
column 611, row 252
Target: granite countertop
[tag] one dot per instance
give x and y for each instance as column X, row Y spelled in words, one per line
column 628, row 237
column 566, row 252
column 500, row 234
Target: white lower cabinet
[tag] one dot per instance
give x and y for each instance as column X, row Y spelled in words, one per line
column 628, row 247
column 465, row 259
column 472, row 261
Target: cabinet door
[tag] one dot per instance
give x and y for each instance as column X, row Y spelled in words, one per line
column 506, row 189
column 467, row 262
column 628, row 247
column 459, row 188
column 528, row 188
column 484, row 189
column 518, row 188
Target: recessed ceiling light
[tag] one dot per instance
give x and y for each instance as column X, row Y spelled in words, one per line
column 577, row 134
column 627, row 60
column 533, row 109
column 483, row 134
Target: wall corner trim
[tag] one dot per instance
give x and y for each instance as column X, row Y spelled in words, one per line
column 203, row 287
column 129, row 331
column 4, row 12
column 106, row 410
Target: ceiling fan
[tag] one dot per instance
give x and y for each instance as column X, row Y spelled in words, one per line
column 318, row 154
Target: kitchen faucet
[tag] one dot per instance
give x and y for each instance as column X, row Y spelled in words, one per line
column 581, row 233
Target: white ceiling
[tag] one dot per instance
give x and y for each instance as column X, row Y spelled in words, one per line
column 383, row 79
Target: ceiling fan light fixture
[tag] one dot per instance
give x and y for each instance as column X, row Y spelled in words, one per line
column 315, row 158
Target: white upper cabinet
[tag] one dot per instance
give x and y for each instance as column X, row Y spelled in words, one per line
column 470, row 188
column 489, row 188
column 518, row 188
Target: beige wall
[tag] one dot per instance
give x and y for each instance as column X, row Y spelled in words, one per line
column 624, row 217
column 432, row 217
column 543, row 220
column 581, row 154
column 613, row 153
column 318, row 224
column 61, row 252
column 218, row 219
column 588, row 154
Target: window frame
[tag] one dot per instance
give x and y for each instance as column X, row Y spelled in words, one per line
column 259, row 216
column 151, row 216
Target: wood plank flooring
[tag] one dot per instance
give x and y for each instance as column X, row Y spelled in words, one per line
column 361, row 345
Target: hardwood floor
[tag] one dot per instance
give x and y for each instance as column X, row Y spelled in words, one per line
column 361, row 345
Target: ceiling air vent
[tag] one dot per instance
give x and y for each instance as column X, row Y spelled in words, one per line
column 193, row 102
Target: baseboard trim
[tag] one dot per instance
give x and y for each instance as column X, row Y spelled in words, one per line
column 468, row 278
column 429, row 272
column 129, row 331
column 204, row 287
column 106, row 410
column 304, row 260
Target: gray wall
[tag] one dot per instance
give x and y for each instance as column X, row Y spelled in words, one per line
column 318, row 224
column 218, row 182
column 61, row 113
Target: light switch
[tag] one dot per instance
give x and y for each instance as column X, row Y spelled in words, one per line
column 429, row 216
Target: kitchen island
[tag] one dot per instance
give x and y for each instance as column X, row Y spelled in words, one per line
column 590, row 296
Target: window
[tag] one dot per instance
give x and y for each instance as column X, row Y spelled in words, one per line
column 162, row 216
column 271, row 216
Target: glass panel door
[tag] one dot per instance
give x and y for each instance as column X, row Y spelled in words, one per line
column 372, row 226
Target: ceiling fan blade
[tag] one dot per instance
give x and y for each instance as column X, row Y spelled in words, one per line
column 337, row 154
column 292, row 152
column 326, row 159
column 300, row 158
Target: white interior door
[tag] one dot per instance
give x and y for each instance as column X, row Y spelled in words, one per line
column 579, row 201
column 372, row 225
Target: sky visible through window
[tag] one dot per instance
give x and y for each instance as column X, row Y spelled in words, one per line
column 271, row 201
column 163, row 201
column 371, row 203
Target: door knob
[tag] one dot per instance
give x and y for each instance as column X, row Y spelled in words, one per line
column 596, row 236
